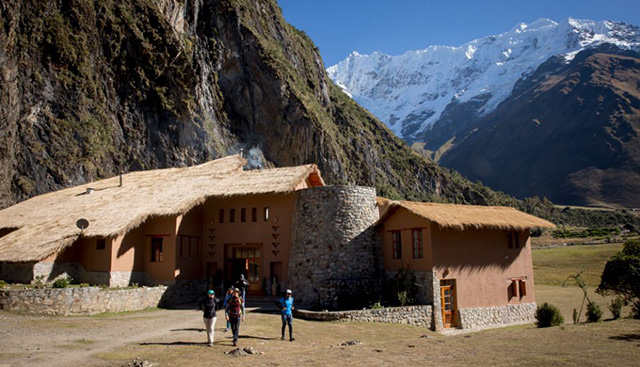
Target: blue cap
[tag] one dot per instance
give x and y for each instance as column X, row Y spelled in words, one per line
column 210, row 292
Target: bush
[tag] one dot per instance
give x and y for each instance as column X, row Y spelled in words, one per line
column 2, row 283
column 63, row 282
column 616, row 307
column 548, row 315
column 594, row 313
column 575, row 317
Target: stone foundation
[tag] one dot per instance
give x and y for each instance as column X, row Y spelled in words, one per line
column 79, row 301
column 412, row 315
column 487, row 317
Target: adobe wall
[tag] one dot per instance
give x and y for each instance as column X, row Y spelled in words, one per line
column 335, row 259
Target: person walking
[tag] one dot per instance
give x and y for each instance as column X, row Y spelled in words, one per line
column 286, row 313
column 242, row 284
column 209, row 306
column 227, row 297
column 235, row 314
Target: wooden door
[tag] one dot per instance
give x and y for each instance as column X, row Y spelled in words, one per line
column 448, row 301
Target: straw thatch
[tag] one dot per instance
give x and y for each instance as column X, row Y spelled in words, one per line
column 463, row 217
column 46, row 223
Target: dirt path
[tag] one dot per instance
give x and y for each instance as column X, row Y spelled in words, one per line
column 75, row 341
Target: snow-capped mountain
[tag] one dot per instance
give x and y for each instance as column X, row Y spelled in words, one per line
column 413, row 91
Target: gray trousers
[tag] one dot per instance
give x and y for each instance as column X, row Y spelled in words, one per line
column 209, row 325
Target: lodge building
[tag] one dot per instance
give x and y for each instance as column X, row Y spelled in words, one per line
column 280, row 227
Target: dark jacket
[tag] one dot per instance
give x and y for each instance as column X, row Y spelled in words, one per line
column 209, row 306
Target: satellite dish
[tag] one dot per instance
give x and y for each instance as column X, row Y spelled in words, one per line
column 82, row 224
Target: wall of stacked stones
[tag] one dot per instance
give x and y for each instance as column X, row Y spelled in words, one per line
column 79, row 301
column 412, row 315
column 485, row 317
column 335, row 259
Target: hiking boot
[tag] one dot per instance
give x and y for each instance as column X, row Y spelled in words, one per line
column 282, row 338
column 235, row 344
column 292, row 339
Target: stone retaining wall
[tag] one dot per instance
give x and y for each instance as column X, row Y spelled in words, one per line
column 79, row 301
column 26, row 273
column 412, row 315
column 487, row 317
column 335, row 259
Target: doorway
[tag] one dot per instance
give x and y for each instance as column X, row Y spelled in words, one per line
column 448, row 302
column 246, row 260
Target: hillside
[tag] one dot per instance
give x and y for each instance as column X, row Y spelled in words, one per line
column 570, row 132
column 92, row 88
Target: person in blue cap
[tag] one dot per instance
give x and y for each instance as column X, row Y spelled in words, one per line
column 286, row 313
column 209, row 306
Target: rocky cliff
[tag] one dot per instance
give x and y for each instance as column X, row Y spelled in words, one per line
column 92, row 88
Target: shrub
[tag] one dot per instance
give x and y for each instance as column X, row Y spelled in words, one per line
column 39, row 282
column 376, row 306
column 594, row 313
column 575, row 316
column 616, row 307
column 548, row 315
column 2, row 283
column 62, row 282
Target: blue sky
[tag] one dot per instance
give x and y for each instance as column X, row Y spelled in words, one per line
column 396, row 26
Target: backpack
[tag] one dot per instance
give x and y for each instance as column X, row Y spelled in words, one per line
column 235, row 308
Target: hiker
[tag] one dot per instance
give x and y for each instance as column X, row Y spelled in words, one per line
column 235, row 314
column 286, row 313
column 242, row 284
column 209, row 305
column 227, row 297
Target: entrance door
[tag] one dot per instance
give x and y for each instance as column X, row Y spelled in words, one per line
column 448, row 301
column 246, row 260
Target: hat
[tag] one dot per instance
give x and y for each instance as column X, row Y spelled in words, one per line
column 236, row 289
column 210, row 292
column 288, row 291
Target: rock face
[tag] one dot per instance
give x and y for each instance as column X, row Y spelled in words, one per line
column 90, row 89
column 570, row 132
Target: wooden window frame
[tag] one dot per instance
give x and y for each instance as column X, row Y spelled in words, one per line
column 265, row 213
column 221, row 216
column 157, row 249
column 396, row 244
column 254, row 214
column 514, row 239
column 417, row 246
column 101, row 244
column 232, row 215
column 243, row 215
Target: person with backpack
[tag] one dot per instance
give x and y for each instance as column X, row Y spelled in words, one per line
column 242, row 284
column 209, row 306
column 227, row 297
column 235, row 314
column 286, row 313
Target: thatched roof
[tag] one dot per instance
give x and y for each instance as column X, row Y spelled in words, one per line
column 463, row 217
column 45, row 224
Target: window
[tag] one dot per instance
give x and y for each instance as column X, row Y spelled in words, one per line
column 514, row 240
column 221, row 216
column 416, row 234
column 232, row 215
column 156, row 249
column 180, row 244
column 266, row 214
column 189, row 246
column 518, row 288
column 243, row 215
column 254, row 214
column 397, row 244
column 101, row 244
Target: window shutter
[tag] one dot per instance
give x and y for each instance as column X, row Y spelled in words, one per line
column 523, row 288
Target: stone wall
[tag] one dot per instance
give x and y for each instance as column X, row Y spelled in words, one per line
column 79, row 301
column 335, row 258
column 412, row 315
column 487, row 317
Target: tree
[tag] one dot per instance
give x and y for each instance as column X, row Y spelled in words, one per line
column 621, row 273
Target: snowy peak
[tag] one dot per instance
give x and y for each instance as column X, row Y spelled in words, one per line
column 413, row 91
